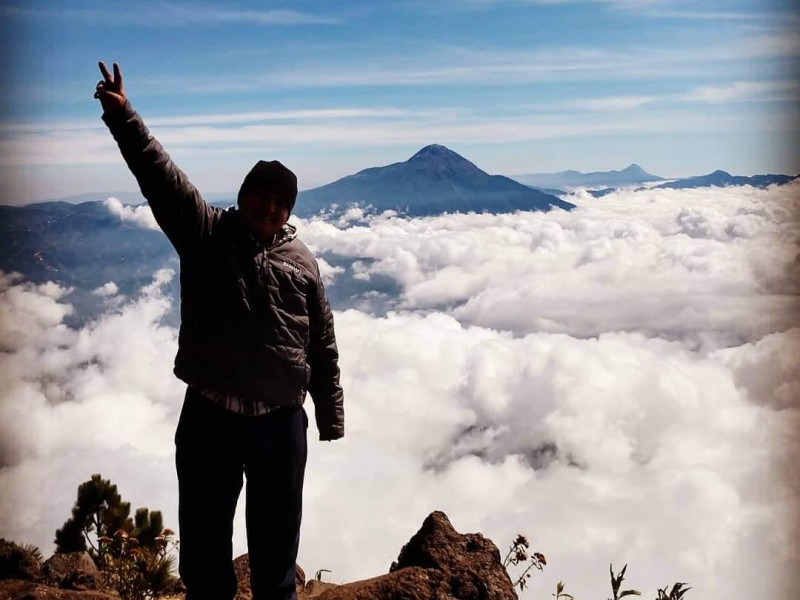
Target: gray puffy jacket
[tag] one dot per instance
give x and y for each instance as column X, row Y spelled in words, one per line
column 255, row 321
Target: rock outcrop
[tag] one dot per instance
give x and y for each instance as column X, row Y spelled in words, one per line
column 68, row 576
column 437, row 563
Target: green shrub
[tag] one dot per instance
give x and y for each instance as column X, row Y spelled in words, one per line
column 19, row 562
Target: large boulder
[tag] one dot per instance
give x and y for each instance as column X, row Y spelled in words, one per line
column 437, row 563
column 72, row 571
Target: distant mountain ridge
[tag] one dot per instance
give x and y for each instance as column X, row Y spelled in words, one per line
column 433, row 181
column 718, row 178
column 130, row 198
column 724, row 179
column 631, row 175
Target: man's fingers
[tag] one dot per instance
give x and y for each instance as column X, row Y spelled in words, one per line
column 117, row 75
column 104, row 71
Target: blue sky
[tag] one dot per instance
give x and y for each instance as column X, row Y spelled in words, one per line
column 330, row 88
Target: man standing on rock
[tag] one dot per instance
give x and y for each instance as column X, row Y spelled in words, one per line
column 256, row 334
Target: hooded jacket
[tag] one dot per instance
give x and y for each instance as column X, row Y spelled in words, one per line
column 255, row 320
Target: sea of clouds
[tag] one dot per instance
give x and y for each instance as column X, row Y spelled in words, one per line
column 620, row 383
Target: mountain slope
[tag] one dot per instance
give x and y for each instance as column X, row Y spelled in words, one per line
column 433, row 181
column 77, row 244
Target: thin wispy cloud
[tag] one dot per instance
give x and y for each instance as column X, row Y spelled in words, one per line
column 238, row 118
column 739, row 91
column 664, row 9
column 324, row 114
column 612, row 103
column 174, row 14
column 448, row 65
column 729, row 93
column 94, row 146
column 191, row 14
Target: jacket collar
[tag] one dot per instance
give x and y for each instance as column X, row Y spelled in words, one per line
column 287, row 233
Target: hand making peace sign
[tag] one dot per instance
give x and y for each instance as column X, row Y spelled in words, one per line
column 110, row 90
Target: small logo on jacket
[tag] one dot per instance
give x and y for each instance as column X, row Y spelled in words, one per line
column 292, row 266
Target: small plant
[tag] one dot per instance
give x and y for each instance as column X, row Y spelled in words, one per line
column 518, row 554
column 136, row 571
column 676, row 593
column 560, row 593
column 318, row 576
column 616, row 583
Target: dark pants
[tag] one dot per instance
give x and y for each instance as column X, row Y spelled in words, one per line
column 214, row 447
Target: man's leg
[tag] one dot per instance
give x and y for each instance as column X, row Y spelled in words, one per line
column 275, row 466
column 209, row 463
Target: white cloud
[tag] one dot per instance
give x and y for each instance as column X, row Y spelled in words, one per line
column 709, row 266
column 75, row 402
column 620, row 448
column 141, row 216
column 107, row 289
column 328, row 271
column 766, row 369
column 26, row 310
column 646, row 413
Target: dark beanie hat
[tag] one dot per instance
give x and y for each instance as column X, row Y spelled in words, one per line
column 270, row 176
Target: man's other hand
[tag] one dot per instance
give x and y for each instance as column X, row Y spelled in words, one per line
column 110, row 90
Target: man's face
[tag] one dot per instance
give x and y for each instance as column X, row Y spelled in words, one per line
column 264, row 213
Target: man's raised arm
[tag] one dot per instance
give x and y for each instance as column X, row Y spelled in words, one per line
column 177, row 206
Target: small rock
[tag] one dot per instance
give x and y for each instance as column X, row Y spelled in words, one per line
column 314, row 588
column 241, row 566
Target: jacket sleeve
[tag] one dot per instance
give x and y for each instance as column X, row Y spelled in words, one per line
column 323, row 358
column 177, row 206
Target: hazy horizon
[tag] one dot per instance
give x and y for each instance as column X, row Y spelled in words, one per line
column 516, row 86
